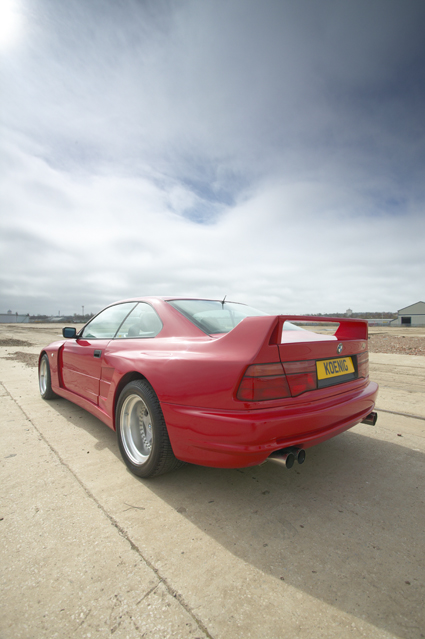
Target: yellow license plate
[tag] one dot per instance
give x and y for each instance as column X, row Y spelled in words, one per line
column 329, row 368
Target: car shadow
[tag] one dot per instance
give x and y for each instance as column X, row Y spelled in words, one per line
column 346, row 527
column 79, row 417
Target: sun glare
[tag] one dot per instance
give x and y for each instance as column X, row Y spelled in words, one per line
column 9, row 22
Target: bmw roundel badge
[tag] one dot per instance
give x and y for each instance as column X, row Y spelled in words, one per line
column 339, row 348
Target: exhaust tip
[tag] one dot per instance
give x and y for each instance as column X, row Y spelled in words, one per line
column 370, row 419
column 287, row 456
column 290, row 459
column 282, row 458
column 301, row 456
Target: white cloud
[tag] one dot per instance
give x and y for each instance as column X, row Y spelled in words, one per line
column 270, row 153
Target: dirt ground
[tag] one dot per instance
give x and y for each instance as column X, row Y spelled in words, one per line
column 407, row 341
column 334, row 548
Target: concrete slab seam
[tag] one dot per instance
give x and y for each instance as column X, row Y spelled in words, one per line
column 171, row 591
column 393, row 412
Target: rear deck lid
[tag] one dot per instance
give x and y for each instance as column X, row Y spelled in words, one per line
column 319, row 360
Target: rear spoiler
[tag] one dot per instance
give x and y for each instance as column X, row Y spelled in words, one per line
column 255, row 336
column 347, row 329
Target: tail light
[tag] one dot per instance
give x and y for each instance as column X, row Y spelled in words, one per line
column 363, row 364
column 276, row 381
column 290, row 379
column 262, row 382
column 301, row 376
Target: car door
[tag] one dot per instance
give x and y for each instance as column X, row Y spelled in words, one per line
column 82, row 356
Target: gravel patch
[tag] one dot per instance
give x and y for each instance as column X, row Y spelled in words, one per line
column 10, row 341
column 397, row 344
column 30, row 359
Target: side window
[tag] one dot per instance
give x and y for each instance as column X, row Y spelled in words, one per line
column 106, row 324
column 143, row 321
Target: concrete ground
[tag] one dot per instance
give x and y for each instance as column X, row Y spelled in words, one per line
column 333, row 548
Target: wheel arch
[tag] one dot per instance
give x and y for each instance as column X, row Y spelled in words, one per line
column 43, row 352
column 125, row 379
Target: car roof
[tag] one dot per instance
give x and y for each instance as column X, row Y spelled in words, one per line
column 168, row 298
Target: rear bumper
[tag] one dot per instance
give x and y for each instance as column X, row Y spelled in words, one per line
column 235, row 439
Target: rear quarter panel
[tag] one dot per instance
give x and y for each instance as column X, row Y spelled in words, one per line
column 201, row 371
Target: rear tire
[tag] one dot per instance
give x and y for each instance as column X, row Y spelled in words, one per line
column 45, row 379
column 142, row 433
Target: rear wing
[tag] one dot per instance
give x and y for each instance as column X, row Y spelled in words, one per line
column 347, row 329
column 255, row 338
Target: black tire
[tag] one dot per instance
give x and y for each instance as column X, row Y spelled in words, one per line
column 44, row 379
column 142, row 433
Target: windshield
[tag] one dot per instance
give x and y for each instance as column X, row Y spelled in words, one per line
column 214, row 317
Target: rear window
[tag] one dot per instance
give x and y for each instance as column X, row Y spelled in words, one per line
column 213, row 316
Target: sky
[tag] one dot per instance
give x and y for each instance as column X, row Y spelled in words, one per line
column 272, row 151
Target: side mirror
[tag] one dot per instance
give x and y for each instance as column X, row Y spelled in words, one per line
column 69, row 332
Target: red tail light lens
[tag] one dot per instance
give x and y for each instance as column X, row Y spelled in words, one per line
column 301, row 376
column 363, row 364
column 275, row 381
column 262, row 382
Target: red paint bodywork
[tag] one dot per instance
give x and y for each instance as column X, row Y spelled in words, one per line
column 196, row 378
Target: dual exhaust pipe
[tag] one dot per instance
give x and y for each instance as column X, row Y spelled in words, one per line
column 287, row 456
column 370, row 419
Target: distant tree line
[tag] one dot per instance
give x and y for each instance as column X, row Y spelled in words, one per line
column 363, row 315
column 77, row 318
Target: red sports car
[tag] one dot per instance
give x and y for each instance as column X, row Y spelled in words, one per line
column 211, row 382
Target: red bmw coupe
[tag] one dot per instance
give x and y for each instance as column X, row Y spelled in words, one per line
column 211, row 382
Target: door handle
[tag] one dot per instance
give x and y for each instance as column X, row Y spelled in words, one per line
column 97, row 353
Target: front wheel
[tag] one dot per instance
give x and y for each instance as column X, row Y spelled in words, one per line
column 142, row 434
column 44, row 379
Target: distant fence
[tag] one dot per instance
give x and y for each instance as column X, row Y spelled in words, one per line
column 379, row 322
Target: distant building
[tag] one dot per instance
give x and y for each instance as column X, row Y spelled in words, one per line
column 349, row 312
column 413, row 315
column 13, row 318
